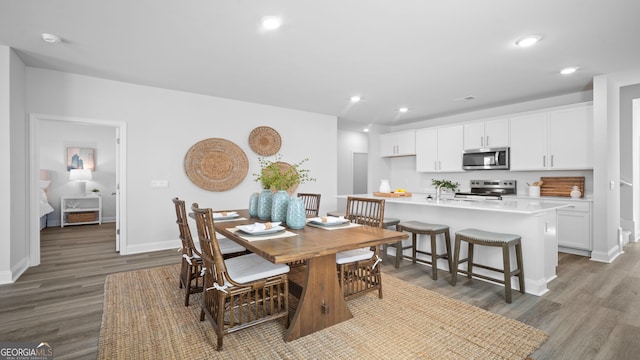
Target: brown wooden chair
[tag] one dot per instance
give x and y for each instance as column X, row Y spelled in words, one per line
column 239, row 292
column 191, row 267
column 358, row 270
column 311, row 203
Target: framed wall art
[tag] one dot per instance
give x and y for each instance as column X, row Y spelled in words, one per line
column 81, row 158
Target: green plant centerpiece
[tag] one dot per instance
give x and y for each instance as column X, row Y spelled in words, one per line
column 439, row 184
column 277, row 175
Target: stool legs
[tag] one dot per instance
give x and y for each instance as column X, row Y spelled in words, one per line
column 520, row 268
column 506, row 263
column 506, row 260
column 456, row 259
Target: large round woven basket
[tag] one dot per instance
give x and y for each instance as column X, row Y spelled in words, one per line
column 216, row 164
column 265, row 141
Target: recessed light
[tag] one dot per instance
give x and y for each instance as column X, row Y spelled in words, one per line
column 355, row 98
column 365, row 129
column 271, row 22
column 569, row 70
column 528, row 40
column 51, row 38
column 403, row 109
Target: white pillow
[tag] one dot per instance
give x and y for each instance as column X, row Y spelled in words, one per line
column 44, row 184
column 43, row 196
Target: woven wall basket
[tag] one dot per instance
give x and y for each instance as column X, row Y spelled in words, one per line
column 265, row 141
column 216, row 164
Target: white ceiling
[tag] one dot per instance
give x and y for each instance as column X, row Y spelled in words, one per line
column 422, row 54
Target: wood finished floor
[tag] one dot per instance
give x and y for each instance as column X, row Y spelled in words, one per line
column 591, row 312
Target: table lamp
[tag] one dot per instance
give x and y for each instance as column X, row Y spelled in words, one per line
column 81, row 176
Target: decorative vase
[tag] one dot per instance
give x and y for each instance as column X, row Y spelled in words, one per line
column 385, row 187
column 279, row 204
column 438, row 192
column 575, row 192
column 264, row 205
column 296, row 213
column 253, row 204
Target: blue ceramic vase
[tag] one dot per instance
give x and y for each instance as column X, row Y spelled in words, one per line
column 264, row 205
column 253, row 204
column 279, row 206
column 296, row 213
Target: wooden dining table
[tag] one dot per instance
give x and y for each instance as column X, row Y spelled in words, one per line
column 322, row 302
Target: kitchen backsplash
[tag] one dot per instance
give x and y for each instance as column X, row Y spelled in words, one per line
column 404, row 175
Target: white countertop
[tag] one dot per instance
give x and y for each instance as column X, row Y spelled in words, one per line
column 507, row 204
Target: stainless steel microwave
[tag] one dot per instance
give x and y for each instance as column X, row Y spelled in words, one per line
column 486, row 159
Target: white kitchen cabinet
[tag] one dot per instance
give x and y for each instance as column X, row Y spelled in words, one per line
column 574, row 228
column 439, row 149
column 529, row 142
column 553, row 140
column 401, row 143
column 484, row 134
column 571, row 138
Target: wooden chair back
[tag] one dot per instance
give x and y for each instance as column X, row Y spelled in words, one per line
column 365, row 211
column 311, row 203
column 188, row 247
column 209, row 242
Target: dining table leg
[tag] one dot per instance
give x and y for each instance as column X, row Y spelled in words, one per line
column 322, row 303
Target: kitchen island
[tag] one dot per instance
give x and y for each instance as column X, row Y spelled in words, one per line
column 532, row 219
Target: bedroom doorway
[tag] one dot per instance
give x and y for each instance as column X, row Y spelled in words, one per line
column 113, row 193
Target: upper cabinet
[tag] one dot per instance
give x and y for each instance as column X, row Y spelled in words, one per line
column 439, row 149
column 553, row 140
column 401, row 143
column 485, row 134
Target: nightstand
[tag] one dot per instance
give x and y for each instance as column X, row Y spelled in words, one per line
column 79, row 210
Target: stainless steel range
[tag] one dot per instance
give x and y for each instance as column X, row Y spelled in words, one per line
column 489, row 189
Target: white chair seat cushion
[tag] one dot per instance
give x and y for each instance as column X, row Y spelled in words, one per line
column 251, row 267
column 229, row 246
column 350, row 256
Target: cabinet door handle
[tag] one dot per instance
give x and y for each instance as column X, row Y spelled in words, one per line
column 481, row 141
column 544, row 161
column 439, row 165
column 546, row 226
column 487, row 140
column 551, row 160
column 435, row 165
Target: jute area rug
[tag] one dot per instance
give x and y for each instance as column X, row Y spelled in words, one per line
column 145, row 318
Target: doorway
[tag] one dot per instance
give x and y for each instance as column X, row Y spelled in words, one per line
column 35, row 136
column 360, row 169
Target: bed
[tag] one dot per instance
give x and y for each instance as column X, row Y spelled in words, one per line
column 45, row 207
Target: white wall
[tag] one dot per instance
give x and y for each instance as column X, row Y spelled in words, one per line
column 55, row 137
column 14, row 230
column 5, row 163
column 161, row 127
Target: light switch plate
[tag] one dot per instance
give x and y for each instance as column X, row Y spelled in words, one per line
column 159, row 183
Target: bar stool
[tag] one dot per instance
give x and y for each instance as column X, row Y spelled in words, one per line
column 486, row 238
column 418, row 227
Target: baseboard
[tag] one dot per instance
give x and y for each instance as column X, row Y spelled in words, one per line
column 150, row 247
column 574, row 251
column 607, row 257
column 10, row 276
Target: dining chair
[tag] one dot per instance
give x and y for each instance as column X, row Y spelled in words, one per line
column 241, row 291
column 311, row 203
column 191, row 266
column 358, row 270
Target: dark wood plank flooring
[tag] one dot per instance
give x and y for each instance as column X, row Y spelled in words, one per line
column 591, row 312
